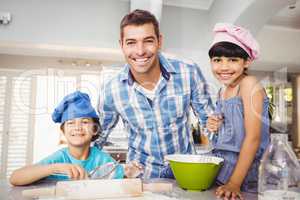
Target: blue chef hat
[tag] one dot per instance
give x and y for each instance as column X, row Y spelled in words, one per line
column 74, row 105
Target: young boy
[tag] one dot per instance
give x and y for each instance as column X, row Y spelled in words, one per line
column 80, row 126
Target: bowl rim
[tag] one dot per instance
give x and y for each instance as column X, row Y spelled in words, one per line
column 193, row 158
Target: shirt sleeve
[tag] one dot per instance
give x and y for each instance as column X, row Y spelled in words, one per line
column 200, row 97
column 108, row 115
column 56, row 157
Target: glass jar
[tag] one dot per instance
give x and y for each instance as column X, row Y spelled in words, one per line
column 279, row 171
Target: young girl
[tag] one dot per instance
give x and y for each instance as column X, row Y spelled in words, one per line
column 79, row 124
column 243, row 134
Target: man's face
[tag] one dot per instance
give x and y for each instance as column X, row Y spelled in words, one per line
column 140, row 47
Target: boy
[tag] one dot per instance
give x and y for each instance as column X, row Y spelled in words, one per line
column 80, row 126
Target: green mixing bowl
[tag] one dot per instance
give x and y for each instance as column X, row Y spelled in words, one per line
column 194, row 172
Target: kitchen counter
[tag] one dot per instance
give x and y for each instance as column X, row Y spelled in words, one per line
column 8, row 192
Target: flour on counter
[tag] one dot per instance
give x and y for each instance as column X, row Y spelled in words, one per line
column 151, row 196
column 146, row 196
column 51, row 198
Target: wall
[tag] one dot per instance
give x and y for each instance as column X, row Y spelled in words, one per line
column 188, row 37
column 279, row 48
column 90, row 29
column 65, row 22
column 94, row 24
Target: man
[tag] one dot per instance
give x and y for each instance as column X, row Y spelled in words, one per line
column 152, row 95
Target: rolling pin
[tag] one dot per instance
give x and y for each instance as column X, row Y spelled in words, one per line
column 98, row 189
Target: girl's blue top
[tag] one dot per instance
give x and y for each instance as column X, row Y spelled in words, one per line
column 230, row 137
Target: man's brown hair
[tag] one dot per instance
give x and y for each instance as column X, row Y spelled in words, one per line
column 139, row 17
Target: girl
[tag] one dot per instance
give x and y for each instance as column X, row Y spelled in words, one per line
column 79, row 124
column 244, row 131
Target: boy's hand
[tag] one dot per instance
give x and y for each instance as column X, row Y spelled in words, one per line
column 213, row 123
column 133, row 169
column 229, row 191
column 75, row 172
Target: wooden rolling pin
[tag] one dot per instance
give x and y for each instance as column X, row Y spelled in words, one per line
column 97, row 189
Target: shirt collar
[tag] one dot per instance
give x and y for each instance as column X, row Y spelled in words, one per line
column 165, row 66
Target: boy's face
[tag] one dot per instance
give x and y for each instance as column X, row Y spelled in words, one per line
column 79, row 131
column 140, row 47
column 228, row 69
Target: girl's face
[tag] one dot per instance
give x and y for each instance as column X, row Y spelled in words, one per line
column 228, row 69
column 79, row 131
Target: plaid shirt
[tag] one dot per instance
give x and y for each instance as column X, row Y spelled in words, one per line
column 159, row 126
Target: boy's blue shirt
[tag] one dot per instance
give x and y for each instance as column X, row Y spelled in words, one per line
column 96, row 158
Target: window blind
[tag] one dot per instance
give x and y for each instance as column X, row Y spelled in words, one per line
column 18, row 124
column 3, row 80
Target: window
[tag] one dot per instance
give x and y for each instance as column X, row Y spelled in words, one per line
column 51, row 89
column 15, row 111
column 281, row 96
column 19, row 124
column 27, row 100
column 3, row 81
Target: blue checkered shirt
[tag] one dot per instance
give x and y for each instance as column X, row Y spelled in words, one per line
column 160, row 126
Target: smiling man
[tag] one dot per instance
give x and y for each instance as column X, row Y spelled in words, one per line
column 152, row 95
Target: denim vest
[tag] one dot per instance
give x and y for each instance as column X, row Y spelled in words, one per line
column 230, row 137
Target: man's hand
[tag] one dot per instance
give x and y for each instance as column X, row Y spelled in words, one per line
column 133, row 169
column 74, row 172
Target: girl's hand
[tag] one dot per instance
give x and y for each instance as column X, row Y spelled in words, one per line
column 229, row 191
column 133, row 169
column 74, row 172
column 213, row 123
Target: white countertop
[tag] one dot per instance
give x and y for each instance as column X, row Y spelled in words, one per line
column 8, row 192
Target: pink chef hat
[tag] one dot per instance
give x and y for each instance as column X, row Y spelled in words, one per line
column 225, row 32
